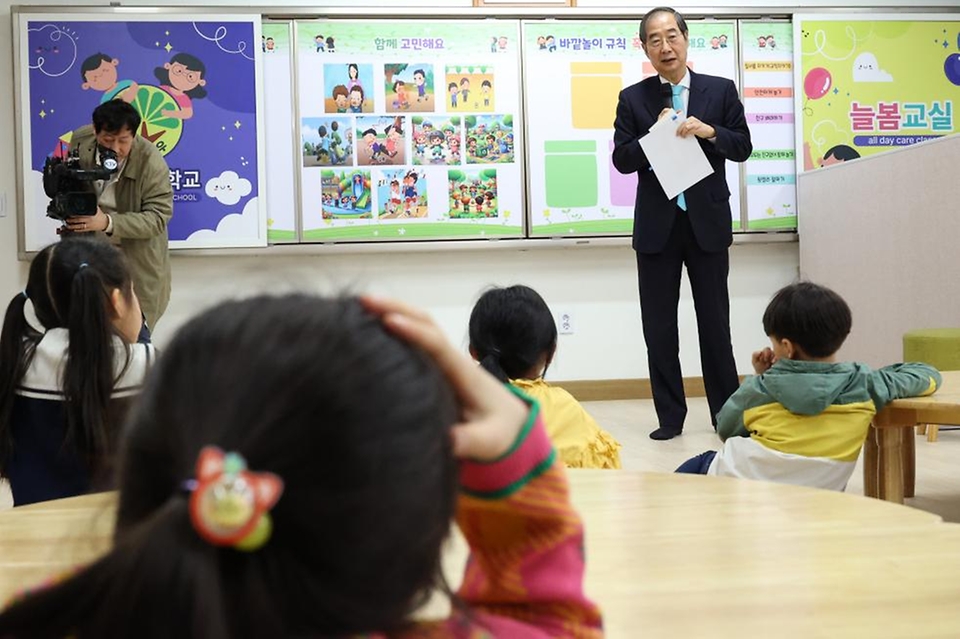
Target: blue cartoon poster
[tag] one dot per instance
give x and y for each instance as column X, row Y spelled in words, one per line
column 195, row 85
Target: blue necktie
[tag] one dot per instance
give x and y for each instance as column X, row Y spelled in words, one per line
column 678, row 106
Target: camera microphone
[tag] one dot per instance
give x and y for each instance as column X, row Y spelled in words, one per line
column 666, row 93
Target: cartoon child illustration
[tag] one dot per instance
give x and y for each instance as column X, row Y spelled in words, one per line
column 409, row 193
column 493, row 44
column 835, row 155
column 270, row 45
column 99, row 72
column 331, row 45
column 400, row 92
column 336, row 153
column 551, row 44
column 454, row 145
column 465, row 198
column 715, row 42
column 396, row 199
column 393, row 133
column 420, row 144
column 357, row 186
column 354, row 72
column 723, row 40
column 485, row 87
column 324, row 144
column 464, row 90
column 502, row 43
column 356, row 99
column 492, row 145
column 771, row 44
column 374, row 148
column 340, row 97
column 183, row 79
column 453, row 89
column 419, row 78
column 348, row 150
column 542, row 43
column 321, row 43
column 436, row 145
column 762, row 42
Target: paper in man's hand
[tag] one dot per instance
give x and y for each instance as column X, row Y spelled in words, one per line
column 678, row 162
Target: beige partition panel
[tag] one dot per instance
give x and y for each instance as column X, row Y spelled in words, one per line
column 884, row 232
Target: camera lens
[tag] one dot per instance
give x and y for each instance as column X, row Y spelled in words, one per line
column 110, row 164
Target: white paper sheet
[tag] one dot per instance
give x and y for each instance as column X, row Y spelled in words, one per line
column 678, row 162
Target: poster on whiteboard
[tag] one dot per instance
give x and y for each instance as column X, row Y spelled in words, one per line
column 574, row 72
column 196, row 87
column 869, row 85
column 409, row 130
column 771, row 178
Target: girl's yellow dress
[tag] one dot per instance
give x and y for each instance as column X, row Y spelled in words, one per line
column 579, row 440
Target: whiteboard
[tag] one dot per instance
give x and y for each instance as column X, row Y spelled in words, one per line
column 571, row 90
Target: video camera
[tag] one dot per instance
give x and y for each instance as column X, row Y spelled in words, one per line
column 63, row 182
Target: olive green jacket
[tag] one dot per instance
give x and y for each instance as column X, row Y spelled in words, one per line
column 144, row 208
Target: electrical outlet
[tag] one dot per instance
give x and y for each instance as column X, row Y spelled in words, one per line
column 565, row 322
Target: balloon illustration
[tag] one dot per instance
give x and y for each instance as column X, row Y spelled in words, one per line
column 817, row 83
column 951, row 68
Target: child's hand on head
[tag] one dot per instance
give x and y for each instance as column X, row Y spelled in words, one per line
column 491, row 416
column 763, row 360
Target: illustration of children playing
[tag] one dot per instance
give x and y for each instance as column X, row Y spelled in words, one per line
column 473, row 194
column 321, row 43
column 394, row 135
column 489, row 139
column 183, row 79
column 331, row 45
column 99, row 72
column 410, row 86
column 410, row 196
column 345, row 193
column 375, row 149
column 464, row 90
column 436, row 143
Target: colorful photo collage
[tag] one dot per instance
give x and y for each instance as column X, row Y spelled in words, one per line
column 376, row 160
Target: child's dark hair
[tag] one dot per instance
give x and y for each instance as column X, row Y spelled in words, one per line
column 69, row 286
column 811, row 316
column 93, row 62
column 370, row 483
column 511, row 331
column 842, row 152
column 192, row 63
column 113, row 116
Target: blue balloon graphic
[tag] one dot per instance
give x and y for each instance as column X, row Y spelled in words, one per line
column 951, row 68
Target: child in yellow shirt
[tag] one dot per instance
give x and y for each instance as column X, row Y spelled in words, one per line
column 513, row 335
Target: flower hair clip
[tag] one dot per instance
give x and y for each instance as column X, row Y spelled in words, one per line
column 229, row 504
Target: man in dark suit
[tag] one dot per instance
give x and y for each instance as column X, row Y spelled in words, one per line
column 693, row 229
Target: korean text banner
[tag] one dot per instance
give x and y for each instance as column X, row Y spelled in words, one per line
column 868, row 86
column 195, row 86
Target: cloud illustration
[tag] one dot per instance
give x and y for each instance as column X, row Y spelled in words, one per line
column 867, row 69
column 228, row 187
column 243, row 225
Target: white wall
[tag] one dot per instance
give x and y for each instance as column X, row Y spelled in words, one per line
column 598, row 285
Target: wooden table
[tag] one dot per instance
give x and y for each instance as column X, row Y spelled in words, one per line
column 889, row 454
column 670, row 556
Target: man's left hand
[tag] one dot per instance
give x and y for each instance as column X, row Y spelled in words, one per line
column 88, row 223
column 693, row 126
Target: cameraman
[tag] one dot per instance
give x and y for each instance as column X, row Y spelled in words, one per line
column 135, row 205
